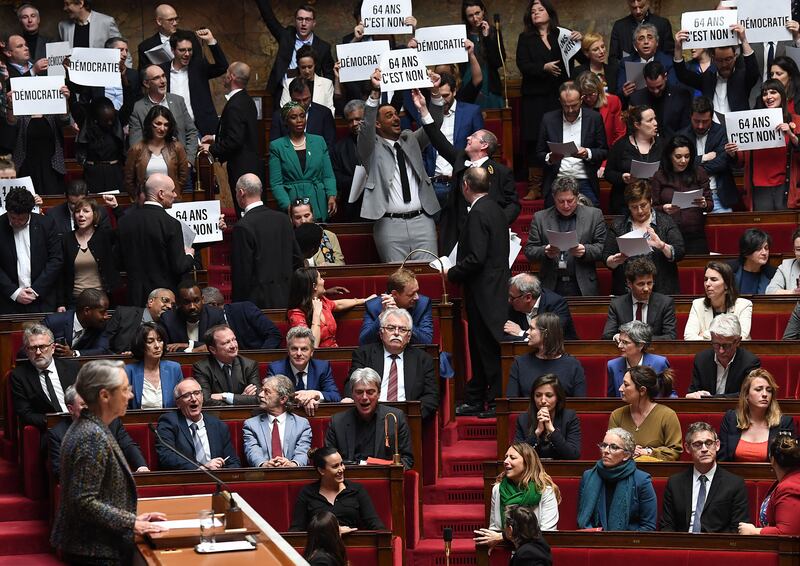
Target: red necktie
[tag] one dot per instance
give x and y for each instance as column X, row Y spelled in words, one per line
column 277, row 450
column 391, row 391
column 639, row 312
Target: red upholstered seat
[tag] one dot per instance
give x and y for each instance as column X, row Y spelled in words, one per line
column 651, row 557
column 724, row 238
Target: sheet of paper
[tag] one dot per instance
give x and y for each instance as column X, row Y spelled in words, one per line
column 686, row 200
column 189, row 235
column 114, row 192
column 634, row 72
column 568, row 46
column 95, row 67
column 633, row 243
column 55, row 53
column 566, row 149
column 38, row 95
column 357, row 186
column 765, row 21
column 442, row 45
column 643, row 170
column 357, row 61
column 445, row 262
column 186, row 523
column 160, row 54
column 563, row 240
column 514, row 247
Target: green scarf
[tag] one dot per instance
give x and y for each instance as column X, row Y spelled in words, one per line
column 513, row 494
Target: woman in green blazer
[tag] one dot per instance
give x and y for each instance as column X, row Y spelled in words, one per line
column 300, row 167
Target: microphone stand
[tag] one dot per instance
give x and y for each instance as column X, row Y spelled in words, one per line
column 396, row 457
column 222, row 501
column 502, row 57
column 445, row 300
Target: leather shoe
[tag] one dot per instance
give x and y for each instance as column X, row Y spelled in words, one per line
column 490, row 413
column 468, row 409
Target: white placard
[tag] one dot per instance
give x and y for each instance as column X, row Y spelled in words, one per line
column 634, row 73
column 563, row 240
column 7, row 184
column 160, row 54
column 686, row 199
column 357, row 185
column 728, row 4
column 202, row 216
column 514, row 247
column 755, row 129
column 633, row 243
column 709, row 28
column 357, row 61
column 643, row 169
column 765, row 21
column 55, row 53
column 569, row 47
column 403, row 69
column 442, row 45
column 385, row 16
column 564, row 149
column 38, row 95
column 95, row 67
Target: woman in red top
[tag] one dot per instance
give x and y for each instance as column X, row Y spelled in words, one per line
column 309, row 307
column 609, row 105
column 780, row 510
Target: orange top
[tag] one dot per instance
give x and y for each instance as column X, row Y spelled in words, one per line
column 751, row 451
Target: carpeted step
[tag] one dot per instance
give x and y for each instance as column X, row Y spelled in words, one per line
column 458, row 490
column 30, row 560
column 463, row 519
column 473, row 428
column 430, row 552
column 466, row 457
column 16, row 507
column 9, row 477
column 24, row 537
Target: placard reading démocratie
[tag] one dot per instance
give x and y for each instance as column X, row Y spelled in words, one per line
column 357, row 61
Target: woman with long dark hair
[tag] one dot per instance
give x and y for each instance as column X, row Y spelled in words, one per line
column 553, row 430
column 785, row 70
column 721, row 296
column 522, row 529
column 324, row 546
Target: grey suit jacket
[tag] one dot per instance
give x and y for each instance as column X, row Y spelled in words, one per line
column 660, row 316
column 211, row 378
column 185, row 130
column 258, row 439
column 101, row 28
column 379, row 161
column 591, row 229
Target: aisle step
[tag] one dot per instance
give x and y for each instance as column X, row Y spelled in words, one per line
column 467, row 457
column 430, row 552
column 17, row 507
column 24, row 537
column 9, row 477
column 471, row 428
column 463, row 519
column 458, row 490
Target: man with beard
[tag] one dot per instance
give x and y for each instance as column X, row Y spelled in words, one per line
column 188, row 323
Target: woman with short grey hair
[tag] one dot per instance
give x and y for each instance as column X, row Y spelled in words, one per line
column 633, row 340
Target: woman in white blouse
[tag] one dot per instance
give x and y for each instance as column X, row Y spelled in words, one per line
column 721, row 297
column 322, row 93
column 152, row 378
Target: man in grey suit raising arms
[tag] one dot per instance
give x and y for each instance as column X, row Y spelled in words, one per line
column 398, row 192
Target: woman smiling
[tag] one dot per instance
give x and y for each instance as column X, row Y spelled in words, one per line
column 721, row 297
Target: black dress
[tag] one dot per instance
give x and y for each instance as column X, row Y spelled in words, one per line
column 105, row 159
column 40, row 145
column 619, row 162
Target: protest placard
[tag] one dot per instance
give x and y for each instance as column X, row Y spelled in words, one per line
column 38, row 95
column 202, row 216
column 357, row 61
column 765, row 21
column 95, row 67
column 55, row 53
column 755, row 129
column 442, row 45
column 7, row 184
column 403, row 69
column 709, row 28
column 569, row 47
column 385, row 16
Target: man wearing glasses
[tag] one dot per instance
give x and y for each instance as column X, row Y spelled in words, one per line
column 38, row 383
column 167, row 21
column 407, row 374
column 705, row 498
column 202, row 438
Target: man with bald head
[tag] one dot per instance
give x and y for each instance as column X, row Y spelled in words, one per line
column 154, row 254
column 166, row 24
column 236, row 140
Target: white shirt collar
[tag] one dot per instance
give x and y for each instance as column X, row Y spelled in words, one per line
column 76, row 324
column 231, row 93
column 709, row 474
column 253, row 205
column 154, row 203
column 452, row 108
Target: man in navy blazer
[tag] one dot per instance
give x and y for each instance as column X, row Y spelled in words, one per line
column 526, row 299
column 275, row 398
column 81, row 331
column 670, row 102
column 202, row 438
column 402, row 292
column 188, row 322
column 312, row 379
column 253, row 329
column 319, row 119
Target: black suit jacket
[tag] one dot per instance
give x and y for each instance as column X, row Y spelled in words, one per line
column 175, row 325
column 155, row 40
column 122, row 328
column 265, row 253
column 672, row 108
column 253, row 329
column 341, row 435
column 419, row 375
column 482, row 263
column 721, row 166
column 46, row 262
column 152, row 251
column 745, row 75
column 593, row 138
column 93, row 341
column 704, row 371
column 174, row 430
column 236, row 142
column 549, row 301
column 730, row 434
column 660, row 316
column 454, row 216
column 725, row 506
column 319, row 121
column 212, row 379
column 30, row 402
column 344, row 160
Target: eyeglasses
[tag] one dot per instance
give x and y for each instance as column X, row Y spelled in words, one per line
column 722, row 345
column 641, row 207
column 698, row 444
column 396, row 329
column 512, row 298
column 301, row 19
column 189, row 394
column 35, row 349
column 301, row 201
column 610, row 447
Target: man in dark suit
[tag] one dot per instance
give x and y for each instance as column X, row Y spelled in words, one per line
column 265, row 252
column 30, row 257
column 226, row 377
column 641, row 303
column 38, row 383
column 186, row 325
column 408, row 373
column 203, row 439
column 582, row 126
column 720, row 370
column 567, row 272
column 189, row 72
column 645, row 49
column 236, row 140
column 482, row 269
column 358, row 433
column 739, row 73
column 253, row 329
column 131, row 450
column 289, row 39
column 29, row 21
column 710, row 139
column 154, row 254
column 81, row 331
column 18, row 59
column 344, row 160
column 402, row 292
column 707, row 498
column 527, row 299
column 166, row 25
column 312, row 379
column 319, row 119
column 622, row 31
column 126, row 320
column 670, row 102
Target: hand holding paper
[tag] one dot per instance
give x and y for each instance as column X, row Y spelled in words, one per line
column 563, row 240
column 563, row 149
column 643, row 170
column 633, row 243
column 688, row 199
